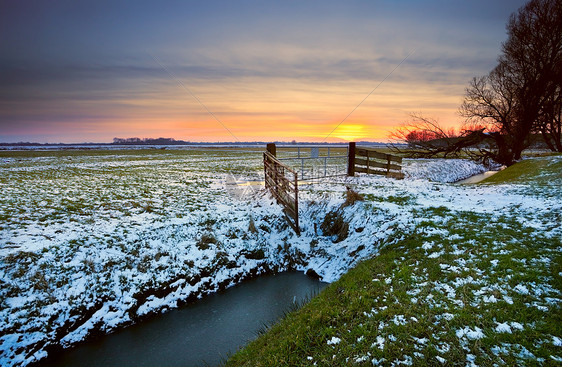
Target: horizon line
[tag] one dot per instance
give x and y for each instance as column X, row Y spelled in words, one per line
column 184, row 142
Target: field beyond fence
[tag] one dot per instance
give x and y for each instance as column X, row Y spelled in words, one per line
column 92, row 241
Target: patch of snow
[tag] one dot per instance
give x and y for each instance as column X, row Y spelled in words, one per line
column 508, row 299
column 399, row 320
column 361, row 359
column 441, row 359
column 407, row 361
column 443, row 348
column 471, row 360
column 516, row 325
column 499, row 350
column 427, row 245
column 469, row 333
column 521, row 289
column 490, row 299
column 334, row 341
column 524, row 353
column 379, row 343
column 503, row 328
column 435, row 255
column 450, row 170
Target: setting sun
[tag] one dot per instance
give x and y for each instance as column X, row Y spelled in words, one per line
column 242, row 81
column 350, row 132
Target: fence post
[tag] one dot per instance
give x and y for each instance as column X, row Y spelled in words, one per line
column 388, row 165
column 265, row 182
column 351, row 159
column 297, row 227
column 272, row 149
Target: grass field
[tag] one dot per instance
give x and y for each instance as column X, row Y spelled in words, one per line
column 93, row 240
column 463, row 287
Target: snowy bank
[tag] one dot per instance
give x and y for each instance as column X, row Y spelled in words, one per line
column 98, row 242
column 441, row 170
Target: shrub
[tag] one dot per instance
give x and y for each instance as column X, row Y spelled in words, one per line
column 351, row 197
column 335, row 225
column 205, row 241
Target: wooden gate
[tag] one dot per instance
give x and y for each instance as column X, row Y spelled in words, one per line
column 282, row 182
column 365, row 160
column 314, row 162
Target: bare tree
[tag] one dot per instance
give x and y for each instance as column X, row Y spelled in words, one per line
column 490, row 102
column 427, row 138
column 422, row 133
column 550, row 121
column 533, row 53
column 520, row 96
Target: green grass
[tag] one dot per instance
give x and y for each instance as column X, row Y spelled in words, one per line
column 401, row 296
column 443, row 295
column 540, row 171
column 65, row 185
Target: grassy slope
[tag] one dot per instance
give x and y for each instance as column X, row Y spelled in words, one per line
column 462, row 288
column 539, row 171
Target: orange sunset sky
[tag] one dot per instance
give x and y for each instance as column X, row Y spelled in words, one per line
column 267, row 70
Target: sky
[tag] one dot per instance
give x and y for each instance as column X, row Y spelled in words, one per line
column 89, row 71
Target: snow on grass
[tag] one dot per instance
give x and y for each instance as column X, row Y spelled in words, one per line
column 467, row 332
column 503, row 327
column 334, row 341
column 440, row 170
column 490, row 296
column 441, row 359
column 93, row 242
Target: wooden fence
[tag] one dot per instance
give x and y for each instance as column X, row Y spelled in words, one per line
column 365, row 160
column 314, row 162
column 282, row 182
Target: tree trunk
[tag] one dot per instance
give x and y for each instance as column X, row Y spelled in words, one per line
column 504, row 155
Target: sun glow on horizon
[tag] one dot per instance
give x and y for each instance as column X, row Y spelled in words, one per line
column 303, row 111
column 350, row 132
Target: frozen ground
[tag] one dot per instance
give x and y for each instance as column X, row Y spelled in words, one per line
column 93, row 241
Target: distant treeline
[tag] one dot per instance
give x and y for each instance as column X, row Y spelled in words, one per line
column 148, row 141
column 172, row 141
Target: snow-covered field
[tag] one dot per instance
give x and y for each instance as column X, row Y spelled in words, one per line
column 93, row 241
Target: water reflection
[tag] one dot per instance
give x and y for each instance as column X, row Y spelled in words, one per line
column 199, row 334
column 477, row 178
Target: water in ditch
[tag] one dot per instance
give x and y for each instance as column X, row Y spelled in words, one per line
column 477, row 178
column 198, row 334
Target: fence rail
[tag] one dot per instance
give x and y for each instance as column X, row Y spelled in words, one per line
column 282, row 182
column 365, row 160
column 315, row 162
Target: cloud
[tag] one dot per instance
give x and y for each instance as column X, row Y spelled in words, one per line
column 249, row 61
